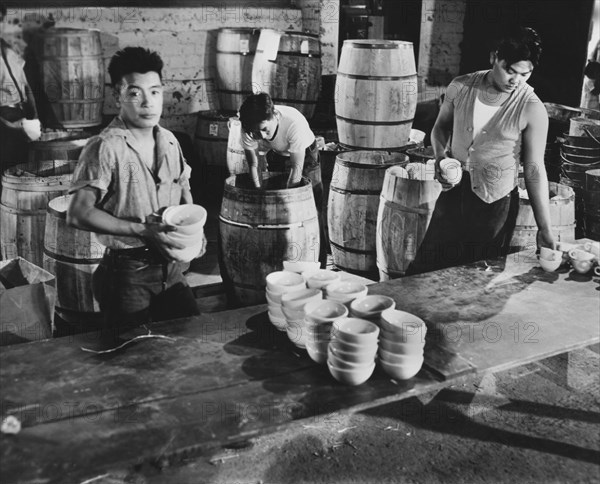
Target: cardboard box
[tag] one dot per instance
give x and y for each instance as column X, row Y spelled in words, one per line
column 27, row 297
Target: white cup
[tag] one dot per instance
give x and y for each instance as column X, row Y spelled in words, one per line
column 451, row 170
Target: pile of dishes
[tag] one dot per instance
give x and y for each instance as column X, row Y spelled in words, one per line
column 278, row 284
column 319, row 317
column 370, row 307
column 292, row 306
column 188, row 220
column 401, row 343
column 345, row 291
column 352, row 350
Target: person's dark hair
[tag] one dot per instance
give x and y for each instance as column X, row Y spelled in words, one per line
column 2, row 11
column 255, row 109
column 519, row 44
column 133, row 59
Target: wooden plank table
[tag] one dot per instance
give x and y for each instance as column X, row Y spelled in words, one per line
column 229, row 376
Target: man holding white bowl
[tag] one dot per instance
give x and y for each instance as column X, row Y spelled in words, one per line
column 490, row 123
column 125, row 177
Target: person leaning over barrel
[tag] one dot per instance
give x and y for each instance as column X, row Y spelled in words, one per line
column 124, row 177
column 19, row 122
column 491, row 121
column 292, row 144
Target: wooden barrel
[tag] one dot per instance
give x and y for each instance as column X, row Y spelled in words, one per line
column 58, row 145
column 235, row 58
column 72, row 255
column 259, row 229
column 376, row 94
column 287, row 65
column 72, row 76
column 352, row 208
column 26, row 190
column 562, row 217
column 405, row 210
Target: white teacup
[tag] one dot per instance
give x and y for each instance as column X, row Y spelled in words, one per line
column 593, row 248
column 581, row 260
column 451, row 170
column 550, row 254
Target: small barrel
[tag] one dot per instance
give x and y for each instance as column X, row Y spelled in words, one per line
column 287, row 65
column 259, row 229
column 72, row 76
column 405, row 211
column 72, row 255
column 352, row 208
column 235, row 58
column 376, row 94
column 562, row 217
column 26, row 190
column 58, row 145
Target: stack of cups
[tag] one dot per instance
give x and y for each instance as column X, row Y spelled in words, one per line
column 401, row 343
column 319, row 317
column 352, row 350
column 278, row 284
column 345, row 291
column 292, row 306
column 370, row 307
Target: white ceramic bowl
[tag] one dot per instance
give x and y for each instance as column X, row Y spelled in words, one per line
column 343, row 352
column 300, row 266
column 345, row 291
column 280, row 282
column 395, row 321
column 550, row 265
column 189, row 252
column 275, row 310
column 351, row 376
column 320, row 278
column 319, row 312
column 400, row 359
column 345, row 346
column 316, row 353
column 401, row 372
column 451, row 170
column 296, row 300
column 356, row 331
column 188, row 218
column 344, row 364
column 371, row 306
column 398, row 347
column 550, row 254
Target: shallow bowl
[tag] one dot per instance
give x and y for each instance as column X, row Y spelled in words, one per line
column 356, row 331
column 280, row 282
column 401, row 372
column 351, row 376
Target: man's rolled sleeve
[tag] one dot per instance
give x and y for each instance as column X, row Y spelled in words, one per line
column 94, row 168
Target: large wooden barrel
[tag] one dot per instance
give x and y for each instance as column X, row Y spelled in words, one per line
column 287, row 65
column 235, row 58
column 26, row 190
column 72, row 76
column 376, row 94
column 352, row 208
column 72, row 255
column 259, row 229
column 58, row 145
column 405, row 210
column 562, row 217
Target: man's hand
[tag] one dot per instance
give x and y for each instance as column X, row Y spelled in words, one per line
column 544, row 238
column 156, row 232
column 32, row 128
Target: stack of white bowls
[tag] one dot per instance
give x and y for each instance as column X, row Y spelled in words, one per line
column 401, row 343
column 188, row 221
column 292, row 306
column 371, row 306
column 319, row 317
column 320, row 278
column 278, row 284
column 345, row 291
column 352, row 350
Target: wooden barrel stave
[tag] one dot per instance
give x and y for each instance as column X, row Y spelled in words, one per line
column 258, row 230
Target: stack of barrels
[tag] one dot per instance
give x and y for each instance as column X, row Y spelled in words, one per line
column 69, row 92
column 287, row 65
